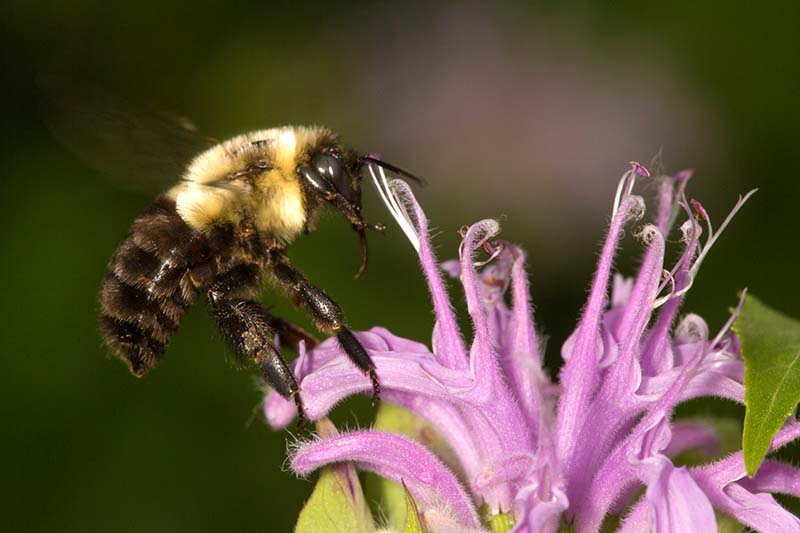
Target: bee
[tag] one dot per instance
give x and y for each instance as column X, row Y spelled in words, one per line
column 223, row 231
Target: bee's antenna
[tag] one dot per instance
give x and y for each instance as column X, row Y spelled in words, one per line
column 375, row 159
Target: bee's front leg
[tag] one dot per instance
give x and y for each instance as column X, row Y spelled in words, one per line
column 326, row 313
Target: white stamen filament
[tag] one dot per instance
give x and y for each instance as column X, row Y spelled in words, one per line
column 497, row 251
column 394, row 205
column 713, row 237
column 703, row 249
column 731, row 319
column 629, row 179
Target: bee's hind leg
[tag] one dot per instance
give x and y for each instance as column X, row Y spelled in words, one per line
column 246, row 327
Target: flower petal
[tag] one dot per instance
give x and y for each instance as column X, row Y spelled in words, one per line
column 447, row 342
column 279, row 412
column 678, row 504
column 483, row 361
column 579, row 377
column 609, row 411
column 633, row 457
column 773, row 476
column 521, row 357
column 536, row 515
column 395, row 457
column 656, row 356
column 720, row 482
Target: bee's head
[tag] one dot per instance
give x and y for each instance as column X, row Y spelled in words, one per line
column 335, row 175
column 342, row 170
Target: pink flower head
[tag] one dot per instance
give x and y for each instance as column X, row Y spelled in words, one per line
column 542, row 452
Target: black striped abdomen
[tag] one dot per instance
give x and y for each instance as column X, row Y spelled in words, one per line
column 155, row 274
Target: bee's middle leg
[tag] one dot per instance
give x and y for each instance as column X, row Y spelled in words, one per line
column 325, row 313
column 292, row 334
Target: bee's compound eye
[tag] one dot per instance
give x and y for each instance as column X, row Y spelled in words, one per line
column 328, row 166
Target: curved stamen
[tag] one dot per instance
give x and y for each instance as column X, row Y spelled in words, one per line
column 396, row 209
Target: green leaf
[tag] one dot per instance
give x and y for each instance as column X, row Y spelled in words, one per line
column 414, row 523
column 771, row 350
column 337, row 504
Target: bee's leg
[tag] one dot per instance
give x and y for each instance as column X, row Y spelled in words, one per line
column 246, row 327
column 326, row 314
column 292, row 334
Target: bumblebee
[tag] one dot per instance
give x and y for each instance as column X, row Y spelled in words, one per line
column 223, row 230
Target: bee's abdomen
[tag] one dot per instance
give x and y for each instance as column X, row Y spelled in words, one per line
column 153, row 277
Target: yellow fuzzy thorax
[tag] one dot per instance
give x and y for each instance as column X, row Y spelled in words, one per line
column 273, row 200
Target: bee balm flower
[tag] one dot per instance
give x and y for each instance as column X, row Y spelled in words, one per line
column 539, row 452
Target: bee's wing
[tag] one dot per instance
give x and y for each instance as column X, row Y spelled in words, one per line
column 140, row 148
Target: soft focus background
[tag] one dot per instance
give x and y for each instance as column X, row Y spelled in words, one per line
column 528, row 113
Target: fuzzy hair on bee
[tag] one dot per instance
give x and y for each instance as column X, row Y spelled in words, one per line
column 224, row 185
column 223, row 231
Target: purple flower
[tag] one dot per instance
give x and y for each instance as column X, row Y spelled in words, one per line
column 546, row 453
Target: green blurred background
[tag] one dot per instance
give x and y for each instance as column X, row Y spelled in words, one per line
column 528, row 112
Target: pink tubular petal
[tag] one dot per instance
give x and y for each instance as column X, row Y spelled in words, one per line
column 675, row 498
column 579, row 376
column 535, row 515
column 411, row 378
column 447, row 342
column 775, row 477
column 394, row 457
column 720, row 482
column 490, row 391
column 523, row 332
column 648, row 438
column 760, row 511
column 719, row 375
column 511, row 470
column 407, row 373
column 449, row 420
column 279, row 412
column 654, row 358
column 522, row 361
column 638, row 519
column 639, row 306
column 512, row 331
column 483, row 360
column 606, row 414
column 678, row 504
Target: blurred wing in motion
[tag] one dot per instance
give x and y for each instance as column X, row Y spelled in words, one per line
column 141, row 148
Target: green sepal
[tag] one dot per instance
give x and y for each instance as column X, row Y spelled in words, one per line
column 414, row 522
column 501, row 522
